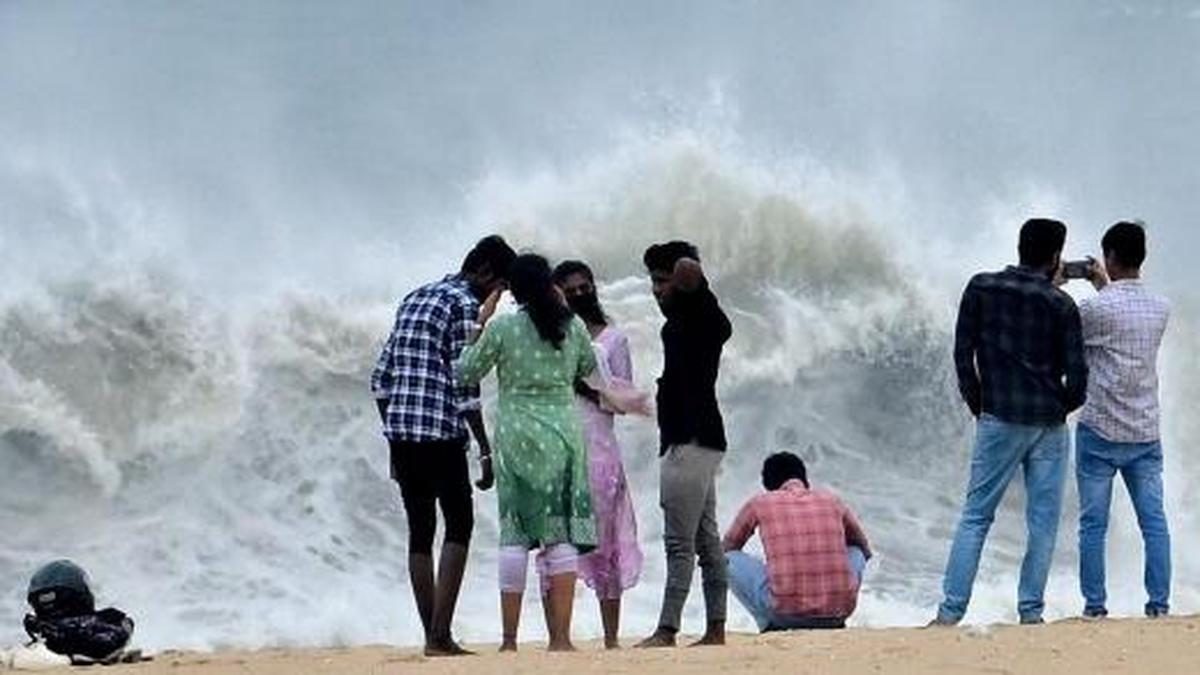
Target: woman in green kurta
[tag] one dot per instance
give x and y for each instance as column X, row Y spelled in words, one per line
column 542, row 471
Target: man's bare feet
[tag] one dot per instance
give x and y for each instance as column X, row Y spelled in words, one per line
column 612, row 645
column 713, row 637
column 508, row 646
column 446, row 647
column 561, row 647
column 661, row 638
column 710, row 641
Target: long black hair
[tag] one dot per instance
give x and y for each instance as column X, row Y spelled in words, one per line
column 533, row 288
column 566, row 268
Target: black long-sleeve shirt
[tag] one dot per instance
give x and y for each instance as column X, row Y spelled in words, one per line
column 1018, row 348
column 693, row 337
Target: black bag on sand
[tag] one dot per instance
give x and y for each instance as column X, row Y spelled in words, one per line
column 65, row 616
column 99, row 636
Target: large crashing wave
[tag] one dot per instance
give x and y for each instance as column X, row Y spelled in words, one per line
column 217, row 464
column 212, row 466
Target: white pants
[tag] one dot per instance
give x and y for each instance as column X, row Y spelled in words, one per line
column 552, row 561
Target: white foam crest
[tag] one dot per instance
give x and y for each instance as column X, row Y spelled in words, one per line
column 760, row 224
column 796, row 333
column 35, row 409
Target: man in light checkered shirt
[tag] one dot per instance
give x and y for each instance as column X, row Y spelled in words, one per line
column 425, row 416
column 1118, row 431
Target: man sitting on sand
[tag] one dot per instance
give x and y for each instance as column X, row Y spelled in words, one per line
column 816, row 552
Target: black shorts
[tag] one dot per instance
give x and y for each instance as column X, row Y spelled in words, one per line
column 433, row 474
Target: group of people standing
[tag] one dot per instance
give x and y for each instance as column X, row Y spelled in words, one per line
column 1025, row 354
column 563, row 372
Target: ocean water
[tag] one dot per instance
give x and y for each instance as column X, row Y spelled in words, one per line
column 208, row 213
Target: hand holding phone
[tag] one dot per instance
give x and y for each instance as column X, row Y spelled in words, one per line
column 1078, row 269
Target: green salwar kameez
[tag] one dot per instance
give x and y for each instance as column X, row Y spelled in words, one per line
column 540, row 457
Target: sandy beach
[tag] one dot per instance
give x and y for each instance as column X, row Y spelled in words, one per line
column 1066, row 647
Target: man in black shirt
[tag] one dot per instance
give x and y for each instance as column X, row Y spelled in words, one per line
column 1018, row 350
column 692, row 437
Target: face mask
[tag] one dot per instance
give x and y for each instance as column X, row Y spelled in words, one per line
column 587, row 307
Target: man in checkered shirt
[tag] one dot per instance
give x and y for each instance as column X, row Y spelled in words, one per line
column 815, row 552
column 1118, row 431
column 425, row 417
column 1018, row 351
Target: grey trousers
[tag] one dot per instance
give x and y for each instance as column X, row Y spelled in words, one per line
column 688, row 494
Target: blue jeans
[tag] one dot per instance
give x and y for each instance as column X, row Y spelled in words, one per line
column 1140, row 464
column 750, row 583
column 1000, row 449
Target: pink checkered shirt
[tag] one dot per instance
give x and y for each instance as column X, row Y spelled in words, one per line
column 805, row 534
column 1123, row 326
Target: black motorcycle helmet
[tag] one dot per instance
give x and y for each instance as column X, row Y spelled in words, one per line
column 60, row 589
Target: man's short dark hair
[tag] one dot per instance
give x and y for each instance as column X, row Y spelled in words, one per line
column 494, row 253
column 662, row 257
column 1041, row 240
column 782, row 467
column 1125, row 241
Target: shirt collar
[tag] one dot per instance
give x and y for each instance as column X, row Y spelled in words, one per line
column 1030, row 272
column 1126, row 283
column 794, row 485
column 460, row 286
column 456, row 280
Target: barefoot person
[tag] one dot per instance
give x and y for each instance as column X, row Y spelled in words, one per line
column 542, row 474
column 1118, row 431
column 692, row 437
column 1018, row 350
column 616, row 563
column 423, row 411
column 816, row 552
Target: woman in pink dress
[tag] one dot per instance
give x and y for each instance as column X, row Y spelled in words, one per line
column 614, row 566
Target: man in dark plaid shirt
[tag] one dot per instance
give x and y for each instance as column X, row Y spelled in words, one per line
column 1018, row 350
column 1024, row 336
column 425, row 416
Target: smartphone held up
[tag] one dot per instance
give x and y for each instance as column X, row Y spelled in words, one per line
column 1078, row 269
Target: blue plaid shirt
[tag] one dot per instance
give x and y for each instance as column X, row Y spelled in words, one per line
column 415, row 371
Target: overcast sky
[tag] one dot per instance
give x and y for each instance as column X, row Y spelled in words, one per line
column 236, row 131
